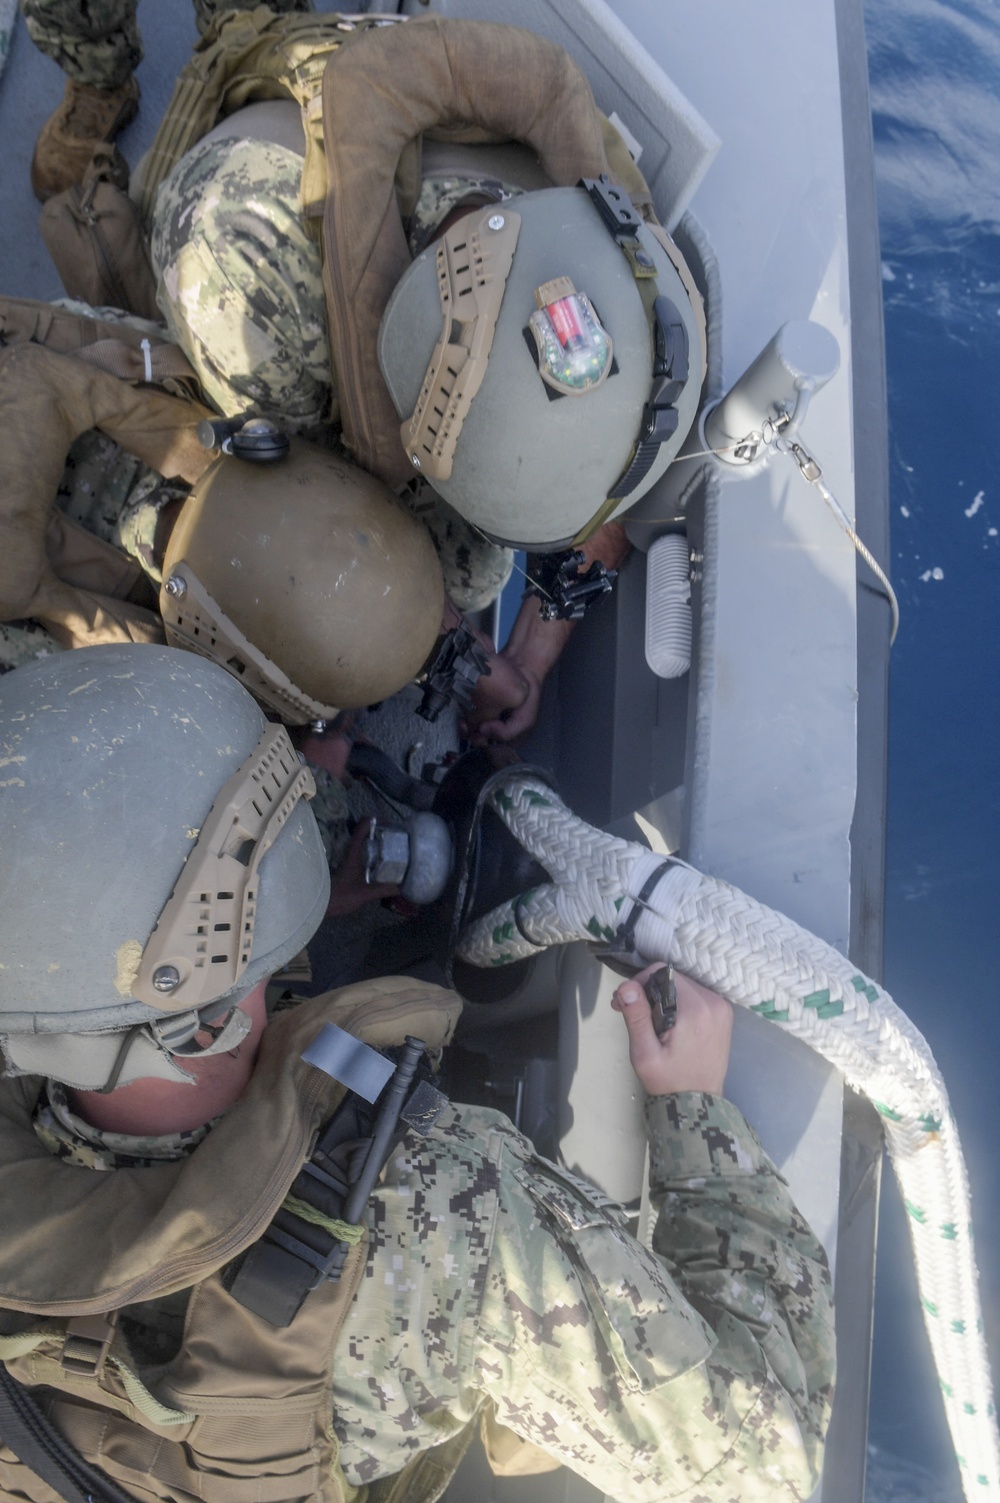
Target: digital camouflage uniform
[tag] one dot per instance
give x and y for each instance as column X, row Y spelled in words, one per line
column 240, row 284
column 702, row 1369
column 98, row 42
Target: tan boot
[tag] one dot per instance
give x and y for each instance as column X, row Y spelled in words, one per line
column 86, row 117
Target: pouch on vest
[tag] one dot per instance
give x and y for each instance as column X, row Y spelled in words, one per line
column 134, row 353
column 47, row 401
column 240, row 1412
column 94, row 235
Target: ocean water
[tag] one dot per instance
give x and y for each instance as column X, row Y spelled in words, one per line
column 935, row 96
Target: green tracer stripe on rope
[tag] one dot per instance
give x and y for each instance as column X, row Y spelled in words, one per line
column 820, row 1001
column 502, row 932
column 748, row 952
column 769, row 1011
column 344, row 1231
column 599, row 930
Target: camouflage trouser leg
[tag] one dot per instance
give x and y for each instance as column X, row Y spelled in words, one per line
column 333, row 814
column 475, row 570
column 97, row 43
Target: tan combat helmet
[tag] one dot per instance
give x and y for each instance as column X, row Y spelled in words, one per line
column 158, row 862
column 306, row 579
column 546, row 358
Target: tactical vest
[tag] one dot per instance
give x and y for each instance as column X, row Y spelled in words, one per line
column 51, row 569
column 242, row 1411
column 456, row 80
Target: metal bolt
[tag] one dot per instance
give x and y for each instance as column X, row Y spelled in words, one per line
column 166, row 978
column 496, row 221
column 317, row 727
column 176, row 585
column 415, row 461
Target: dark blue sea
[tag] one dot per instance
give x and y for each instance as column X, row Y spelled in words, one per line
column 935, row 95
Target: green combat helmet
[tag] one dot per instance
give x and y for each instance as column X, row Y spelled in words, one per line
column 159, row 862
column 306, row 579
column 547, row 362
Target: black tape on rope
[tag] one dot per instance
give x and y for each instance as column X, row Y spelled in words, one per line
column 619, row 954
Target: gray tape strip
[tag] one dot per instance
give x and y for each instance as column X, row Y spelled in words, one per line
column 345, row 1058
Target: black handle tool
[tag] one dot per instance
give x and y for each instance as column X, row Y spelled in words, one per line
column 661, row 991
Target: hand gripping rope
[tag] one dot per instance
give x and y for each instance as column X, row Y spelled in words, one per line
column 761, row 960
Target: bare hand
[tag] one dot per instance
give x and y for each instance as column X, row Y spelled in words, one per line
column 505, row 705
column 694, row 1054
column 331, row 750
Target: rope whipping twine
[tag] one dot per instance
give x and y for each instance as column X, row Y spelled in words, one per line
column 761, row 960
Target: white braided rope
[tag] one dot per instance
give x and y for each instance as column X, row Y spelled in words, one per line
column 761, row 960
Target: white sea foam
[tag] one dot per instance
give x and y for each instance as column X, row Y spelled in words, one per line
column 936, row 573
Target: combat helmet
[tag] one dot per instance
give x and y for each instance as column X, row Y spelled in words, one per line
column 306, row 579
column 546, row 358
column 159, row 862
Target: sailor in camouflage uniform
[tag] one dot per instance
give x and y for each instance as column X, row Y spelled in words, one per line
column 242, row 291
column 241, row 285
column 496, row 1287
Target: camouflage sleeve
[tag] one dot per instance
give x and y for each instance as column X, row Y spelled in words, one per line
column 740, row 1251
column 702, row 1368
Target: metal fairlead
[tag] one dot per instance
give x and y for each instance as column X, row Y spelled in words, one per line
column 565, row 593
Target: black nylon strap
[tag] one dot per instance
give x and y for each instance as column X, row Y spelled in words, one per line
column 38, row 1444
column 626, row 931
column 619, row 954
column 670, row 348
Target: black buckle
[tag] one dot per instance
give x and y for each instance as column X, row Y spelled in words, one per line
column 619, row 953
column 452, row 675
column 614, row 206
column 565, row 593
column 670, row 341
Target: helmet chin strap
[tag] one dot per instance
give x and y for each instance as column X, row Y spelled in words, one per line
column 179, row 1036
column 102, row 1061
